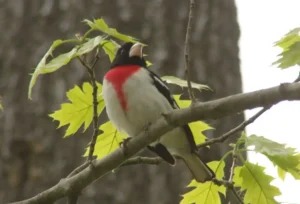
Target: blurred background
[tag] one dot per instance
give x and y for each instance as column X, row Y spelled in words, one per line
column 34, row 156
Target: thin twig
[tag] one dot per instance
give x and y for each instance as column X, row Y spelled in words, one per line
column 73, row 196
column 78, row 169
column 232, row 167
column 143, row 160
column 225, row 183
column 86, row 66
column 91, row 71
column 95, row 109
column 238, row 128
column 234, row 160
column 229, row 185
column 237, row 196
column 187, row 51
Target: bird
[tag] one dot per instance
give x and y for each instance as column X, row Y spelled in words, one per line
column 135, row 97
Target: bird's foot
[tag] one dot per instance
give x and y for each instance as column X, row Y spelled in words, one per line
column 123, row 145
column 146, row 127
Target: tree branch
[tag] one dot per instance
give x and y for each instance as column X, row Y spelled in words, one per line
column 232, row 167
column 200, row 111
column 158, row 160
column 234, row 159
column 187, row 51
column 78, row 169
column 240, row 200
column 143, row 160
column 229, row 185
column 238, row 128
column 91, row 72
column 73, row 197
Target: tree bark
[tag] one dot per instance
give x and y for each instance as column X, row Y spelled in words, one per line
column 33, row 154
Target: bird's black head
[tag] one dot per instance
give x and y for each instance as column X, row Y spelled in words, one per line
column 129, row 54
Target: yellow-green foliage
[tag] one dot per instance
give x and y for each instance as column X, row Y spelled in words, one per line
column 79, row 110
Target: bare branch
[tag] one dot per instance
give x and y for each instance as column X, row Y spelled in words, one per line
column 187, row 51
column 91, row 71
column 78, row 169
column 84, row 64
column 237, row 196
column 232, row 167
column 238, row 128
column 95, row 109
column 200, row 111
column 143, row 160
column 233, row 190
column 229, row 185
column 73, row 197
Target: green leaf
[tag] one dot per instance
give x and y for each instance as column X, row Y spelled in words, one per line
column 198, row 127
column 106, row 142
column 148, row 63
column 236, row 176
column 80, row 109
column 257, row 185
column 208, row 192
column 289, row 39
column 289, row 57
column 183, row 83
column 290, row 45
column 99, row 24
column 284, row 157
column 42, row 63
column 110, row 47
column 281, row 173
column 89, row 45
column 58, row 62
column 63, row 59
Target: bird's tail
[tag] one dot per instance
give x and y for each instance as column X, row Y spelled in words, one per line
column 199, row 169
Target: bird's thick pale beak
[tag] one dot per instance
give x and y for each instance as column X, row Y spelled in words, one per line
column 136, row 50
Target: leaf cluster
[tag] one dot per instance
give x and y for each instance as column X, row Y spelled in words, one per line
column 290, row 46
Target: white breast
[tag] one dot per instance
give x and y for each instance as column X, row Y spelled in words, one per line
column 145, row 104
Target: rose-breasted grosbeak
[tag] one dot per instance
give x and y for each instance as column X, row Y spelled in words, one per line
column 135, row 97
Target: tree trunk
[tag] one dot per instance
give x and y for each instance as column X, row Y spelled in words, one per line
column 33, row 154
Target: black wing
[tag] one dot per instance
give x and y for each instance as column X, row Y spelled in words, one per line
column 163, row 152
column 164, row 90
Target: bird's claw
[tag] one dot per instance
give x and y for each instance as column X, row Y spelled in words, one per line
column 146, row 127
column 123, row 145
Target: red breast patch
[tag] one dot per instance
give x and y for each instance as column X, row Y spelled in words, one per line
column 118, row 76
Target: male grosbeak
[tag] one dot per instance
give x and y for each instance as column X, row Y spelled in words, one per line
column 135, row 97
